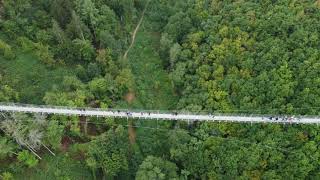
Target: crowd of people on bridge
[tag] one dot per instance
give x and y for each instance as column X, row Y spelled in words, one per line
column 175, row 113
column 129, row 113
column 283, row 118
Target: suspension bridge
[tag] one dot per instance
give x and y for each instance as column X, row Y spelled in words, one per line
column 157, row 115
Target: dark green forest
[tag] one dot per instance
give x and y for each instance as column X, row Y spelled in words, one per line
column 201, row 56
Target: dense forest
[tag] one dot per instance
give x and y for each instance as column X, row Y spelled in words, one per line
column 202, row 56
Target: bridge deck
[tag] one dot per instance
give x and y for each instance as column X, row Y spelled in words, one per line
column 154, row 115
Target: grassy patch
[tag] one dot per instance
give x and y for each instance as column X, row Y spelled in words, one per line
column 153, row 88
column 30, row 78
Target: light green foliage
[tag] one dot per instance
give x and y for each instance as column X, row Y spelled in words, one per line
column 124, row 80
column 71, row 83
column 92, row 164
column 87, row 11
column 102, row 90
column 6, row 50
column 27, row 158
column 8, row 94
column 58, row 32
column 104, row 57
column 99, row 87
column 54, row 133
column 43, row 53
column 7, row 176
column 108, row 152
column 6, row 147
column 156, row 168
column 73, row 94
column 174, row 52
column 16, row 7
column 26, row 44
column 85, row 50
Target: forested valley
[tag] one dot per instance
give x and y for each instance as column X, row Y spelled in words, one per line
column 201, row 56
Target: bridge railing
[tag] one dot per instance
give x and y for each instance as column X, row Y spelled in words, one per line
column 154, row 111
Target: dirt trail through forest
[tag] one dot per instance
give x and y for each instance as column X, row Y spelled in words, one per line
column 135, row 31
column 131, row 130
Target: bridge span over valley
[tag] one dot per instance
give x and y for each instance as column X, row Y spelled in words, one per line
column 157, row 115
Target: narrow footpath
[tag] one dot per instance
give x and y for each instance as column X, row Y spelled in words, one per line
column 131, row 130
column 133, row 37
